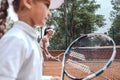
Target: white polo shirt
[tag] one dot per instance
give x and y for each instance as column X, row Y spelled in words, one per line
column 20, row 54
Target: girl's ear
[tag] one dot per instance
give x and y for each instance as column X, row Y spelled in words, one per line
column 27, row 3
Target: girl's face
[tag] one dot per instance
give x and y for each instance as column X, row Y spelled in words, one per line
column 34, row 12
column 51, row 32
column 40, row 12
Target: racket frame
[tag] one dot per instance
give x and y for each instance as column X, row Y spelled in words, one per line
column 97, row 73
column 57, row 58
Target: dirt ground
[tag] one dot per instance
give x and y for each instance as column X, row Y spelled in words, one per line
column 112, row 73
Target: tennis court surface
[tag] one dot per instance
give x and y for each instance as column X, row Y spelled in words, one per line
column 112, row 73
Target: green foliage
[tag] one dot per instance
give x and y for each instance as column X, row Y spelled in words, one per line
column 116, row 5
column 81, row 18
column 9, row 23
column 114, row 31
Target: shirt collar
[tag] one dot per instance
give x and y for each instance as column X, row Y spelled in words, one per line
column 27, row 29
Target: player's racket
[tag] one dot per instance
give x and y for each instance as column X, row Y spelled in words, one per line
column 58, row 57
column 88, row 56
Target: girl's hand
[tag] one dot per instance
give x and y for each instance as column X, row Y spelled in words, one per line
column 49, row 56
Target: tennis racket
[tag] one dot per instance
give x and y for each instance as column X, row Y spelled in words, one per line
column 58, row 57
column 89, row 56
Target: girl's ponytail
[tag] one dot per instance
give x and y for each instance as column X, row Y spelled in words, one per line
column 3, row 15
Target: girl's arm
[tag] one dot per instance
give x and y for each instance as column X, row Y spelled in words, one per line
column 45, row 48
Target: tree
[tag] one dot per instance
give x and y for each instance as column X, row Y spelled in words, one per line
column 9, row 23
column 81, row 19
column 114, row 31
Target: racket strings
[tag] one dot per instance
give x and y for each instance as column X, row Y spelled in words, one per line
column 75, row 59
column 87, row 64
column 89, row 56
column 79, row 66
column 78, row 56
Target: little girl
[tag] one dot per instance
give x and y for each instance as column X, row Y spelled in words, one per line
column 20, row 54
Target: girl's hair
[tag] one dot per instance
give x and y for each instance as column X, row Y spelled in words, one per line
column 16, row 5
column 3, row 15
column 46, row 30
column 3, row 11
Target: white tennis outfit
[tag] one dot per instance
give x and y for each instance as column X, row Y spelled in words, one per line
column 47, row 44
column 20, row 54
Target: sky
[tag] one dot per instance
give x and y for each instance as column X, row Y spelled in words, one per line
column 105, row 9
column 12, row 14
